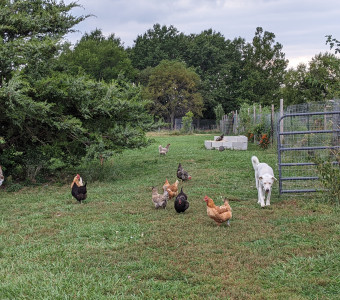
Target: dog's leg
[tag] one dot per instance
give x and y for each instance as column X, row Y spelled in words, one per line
column 258, row 196
column 256, row 180
column 268, row 198
column 261, row 196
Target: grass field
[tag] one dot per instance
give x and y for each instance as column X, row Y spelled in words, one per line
column 117, row 246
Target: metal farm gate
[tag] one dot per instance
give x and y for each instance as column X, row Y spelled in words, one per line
column 302, row 136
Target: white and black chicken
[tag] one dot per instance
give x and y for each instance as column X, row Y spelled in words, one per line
column 78, row 189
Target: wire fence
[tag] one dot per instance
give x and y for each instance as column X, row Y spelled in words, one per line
column 197, row 124
column 306, row 132
column 231, row 123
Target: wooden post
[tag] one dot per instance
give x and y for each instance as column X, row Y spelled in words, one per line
column 281, row 123
column 223, row 124
column 236, row 122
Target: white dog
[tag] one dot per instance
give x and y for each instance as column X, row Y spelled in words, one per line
column 264, row 178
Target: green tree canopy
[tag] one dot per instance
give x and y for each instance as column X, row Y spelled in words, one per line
column 157, row 44
column 49, row 118
column 173, row 89
column 324, row 76
column 264, row 69
column 316, row 82
column 218, row 63
column 102, row 58
column 231, row 71
column 295, row 88
column 30, row 32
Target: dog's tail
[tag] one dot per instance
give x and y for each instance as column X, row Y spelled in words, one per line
column 255, row 161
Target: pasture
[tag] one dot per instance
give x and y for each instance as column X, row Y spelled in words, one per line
column 117, row 246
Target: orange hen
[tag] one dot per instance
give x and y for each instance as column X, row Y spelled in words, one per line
column 219, row 214
column 171, row 189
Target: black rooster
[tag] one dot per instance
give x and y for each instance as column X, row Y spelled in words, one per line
column 181, row 202
column 78, row 189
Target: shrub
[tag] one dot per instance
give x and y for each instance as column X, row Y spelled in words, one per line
column 260, row 128
column 250, row 136
column 264, row 141
column 187, row 121
column 329, row 174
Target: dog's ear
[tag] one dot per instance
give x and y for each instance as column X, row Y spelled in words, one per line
column 274, row 178
column 260, row 178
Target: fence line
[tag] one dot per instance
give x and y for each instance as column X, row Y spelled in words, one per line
column 230, row 124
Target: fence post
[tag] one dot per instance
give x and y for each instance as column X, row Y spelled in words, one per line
column 281, row 124
column 236, row 123
column 272, row 125
column 223, row 124
column 233, row 122
column 254, row 122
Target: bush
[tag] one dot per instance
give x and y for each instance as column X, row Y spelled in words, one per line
column 187, row 121
column 260, row 128
column 83, row 119
column 264, row 141
column 329, row 174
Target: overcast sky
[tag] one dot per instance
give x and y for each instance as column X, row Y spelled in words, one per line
column 299, row 25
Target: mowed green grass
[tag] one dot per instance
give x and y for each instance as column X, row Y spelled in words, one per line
column 117, row 246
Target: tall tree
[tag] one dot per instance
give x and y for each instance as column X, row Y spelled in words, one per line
column 102, row 58
column 157, row 44
column 218, row 62
column 174, row 90
column 295, row 88
column 30, row 32
column 316, row 82
column 323, row 77
column 264, row 69
column 49, row 118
